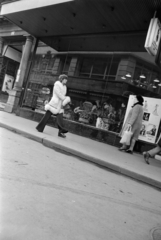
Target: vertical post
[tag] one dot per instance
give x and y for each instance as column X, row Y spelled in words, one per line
column 33, row 53
column 23, row 64
column 14, row 95
column 1, row 45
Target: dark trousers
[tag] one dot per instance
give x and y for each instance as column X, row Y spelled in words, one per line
column 60, row 122
column 40, row 127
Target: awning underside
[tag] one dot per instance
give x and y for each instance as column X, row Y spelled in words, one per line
column 90, row 25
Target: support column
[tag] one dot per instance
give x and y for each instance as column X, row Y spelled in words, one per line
column 1, row 45
column 14, row 94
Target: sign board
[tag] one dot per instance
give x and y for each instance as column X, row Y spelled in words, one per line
column 12, row 53
column 151, row 118
column 8, row 83
column 153, row 37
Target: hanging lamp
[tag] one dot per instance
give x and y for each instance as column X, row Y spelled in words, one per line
column 128, row 75
column 142, row 76
column 156, row 80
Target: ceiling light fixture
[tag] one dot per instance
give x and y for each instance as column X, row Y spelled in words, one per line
column 154, row 87
column 128, row 75
column 156, row 80
column 123, row 77
column 159, row 84
column 142, row 76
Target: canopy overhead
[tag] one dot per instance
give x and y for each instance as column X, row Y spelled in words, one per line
column 85, row 25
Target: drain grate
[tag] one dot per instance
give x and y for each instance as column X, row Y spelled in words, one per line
column 156, row 234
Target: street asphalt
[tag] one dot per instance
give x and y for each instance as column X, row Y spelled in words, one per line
column 96, row 152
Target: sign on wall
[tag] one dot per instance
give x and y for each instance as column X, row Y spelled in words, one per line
column 151, row 118
column 8, row 83
column 153, row 37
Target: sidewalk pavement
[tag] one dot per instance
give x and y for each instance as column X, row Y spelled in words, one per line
column 102, row 154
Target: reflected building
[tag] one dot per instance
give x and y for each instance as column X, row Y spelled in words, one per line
column 107, row 78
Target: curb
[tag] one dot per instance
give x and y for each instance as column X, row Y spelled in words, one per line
column 110, row 166
column 21, row 132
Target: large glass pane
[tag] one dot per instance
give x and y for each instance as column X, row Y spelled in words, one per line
column 67, row 61
column 99, row 68
column 97, row 100
column 86, row 67
column 112, row 67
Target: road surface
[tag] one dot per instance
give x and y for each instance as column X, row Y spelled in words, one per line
column 48, row 195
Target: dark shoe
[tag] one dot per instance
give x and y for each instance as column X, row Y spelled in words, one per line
column 64, row 131
column 129, row 151
column 146, row 157
column 38, row 130
column 61, row 135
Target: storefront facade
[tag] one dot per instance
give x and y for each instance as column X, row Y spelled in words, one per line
column 97, row 85
column 105, row 65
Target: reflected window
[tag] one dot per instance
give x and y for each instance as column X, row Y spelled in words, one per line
column 66, row 64
column 99, row 67
column 86, row 67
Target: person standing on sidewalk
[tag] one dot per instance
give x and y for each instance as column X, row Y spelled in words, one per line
column 151, row 153
column 56, row 106
column 133, row 122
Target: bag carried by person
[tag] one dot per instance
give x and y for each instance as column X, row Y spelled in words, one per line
column 126, row 138
column 99, row 123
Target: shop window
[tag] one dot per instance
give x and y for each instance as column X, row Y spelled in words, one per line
column 66, row 64
column 12, row 68
column 112, row 68
column 86, row 67
column 44, row 64
column 105, row 114
column 51, row 63
column 137, row 74
column 36, row 64
column 99, row 68
column 144, row 77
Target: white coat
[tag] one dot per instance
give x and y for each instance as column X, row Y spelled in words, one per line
column 58, row 99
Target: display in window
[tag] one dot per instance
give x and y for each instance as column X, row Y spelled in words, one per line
column 145, row 106
column 155, row 112
column 151, row 119
column 97, row 114
column 8, row 83
column 43, row 98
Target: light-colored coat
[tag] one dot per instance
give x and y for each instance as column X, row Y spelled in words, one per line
column 134, row 118
column 58, row 99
